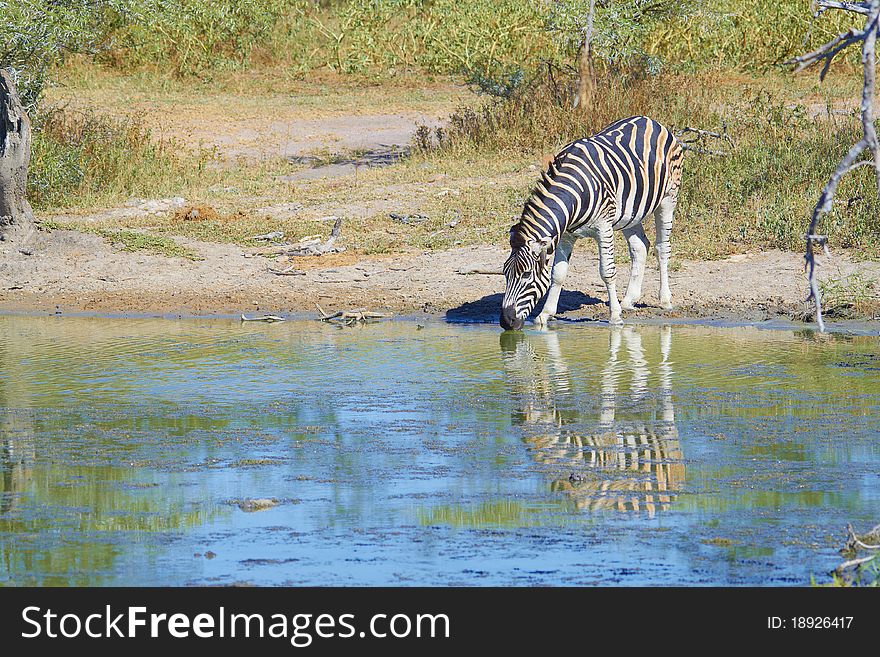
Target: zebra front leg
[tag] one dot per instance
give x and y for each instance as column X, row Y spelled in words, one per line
column 638, row 254
column 560, row 270
column 663, row 222
column 608, row 272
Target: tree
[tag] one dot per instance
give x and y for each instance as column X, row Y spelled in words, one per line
column 15, row 156
column 37, row 35
column 868, row 38
column 586, row 73
column 612, row 31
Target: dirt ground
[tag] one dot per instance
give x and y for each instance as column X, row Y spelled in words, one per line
column 267, row 118
column 66, row 272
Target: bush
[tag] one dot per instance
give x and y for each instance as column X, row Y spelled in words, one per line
column 747, row 34
column 39, row 34
column 760, row 194
column 487, row 38
column 79, row 158
column 192, row 37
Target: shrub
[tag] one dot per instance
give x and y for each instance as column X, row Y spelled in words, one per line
column 80, row 158
column 38, row 34
column 759, row 194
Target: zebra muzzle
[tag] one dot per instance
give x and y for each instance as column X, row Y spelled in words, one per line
column 509, row 321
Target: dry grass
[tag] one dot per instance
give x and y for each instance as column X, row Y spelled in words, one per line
column 473, row 187
column 170, row 104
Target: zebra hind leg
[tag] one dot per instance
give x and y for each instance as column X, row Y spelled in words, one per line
column 638, row 252
column 663, row 222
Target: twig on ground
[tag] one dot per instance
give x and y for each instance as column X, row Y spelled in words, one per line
column 851, row 571
column 287, row 271
column 487, row 272
column 854, row 542
column 688, row 137
column 408, row 219
column 268, row 237
column 852, row 563
column 315, row 247
column 348, row 317
column 263, row 318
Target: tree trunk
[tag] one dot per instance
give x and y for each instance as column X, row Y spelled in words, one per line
column 586, row 75
column 15, row 156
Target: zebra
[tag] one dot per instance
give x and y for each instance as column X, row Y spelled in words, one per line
column 592, row 187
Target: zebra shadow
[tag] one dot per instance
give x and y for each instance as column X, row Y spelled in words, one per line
column 487, row 309
column 622, row 455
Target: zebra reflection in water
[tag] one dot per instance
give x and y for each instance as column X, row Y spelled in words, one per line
column 626, row 454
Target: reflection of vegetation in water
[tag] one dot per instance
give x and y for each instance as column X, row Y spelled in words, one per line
column 489, row 514
column 63, row 522
column 67, row 506
column 66, row 525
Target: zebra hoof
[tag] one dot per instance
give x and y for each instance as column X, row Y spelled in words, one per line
column 541, row 321
column 627, row 305
column 615, row 320
column 666, row 305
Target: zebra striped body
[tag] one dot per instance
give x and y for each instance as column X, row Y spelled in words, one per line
column 610, row 181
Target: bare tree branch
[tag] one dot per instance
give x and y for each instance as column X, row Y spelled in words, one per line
column 868, row 37
column 855, row 7
column 690, row 137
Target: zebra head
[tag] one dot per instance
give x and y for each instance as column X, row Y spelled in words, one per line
column 527, row 275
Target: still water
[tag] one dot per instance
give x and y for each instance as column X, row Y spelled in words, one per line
column 132, row 452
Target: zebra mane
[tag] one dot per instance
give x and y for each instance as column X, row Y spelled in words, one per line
column 523, row 226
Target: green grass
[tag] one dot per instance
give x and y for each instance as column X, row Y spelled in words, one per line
column 849, row 296
column 83, row 158
column 130, row 240
column 488, row 37
column 787, row 143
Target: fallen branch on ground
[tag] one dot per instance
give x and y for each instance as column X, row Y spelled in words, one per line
column 348, row 317
column 487, row 272
column 320, row 249
column 287, row 271
column 408, row 219
column 310, row 246
column 852, row 570
column 264, row 318
column 854, row 542
column 847, row 569
column 268, row 237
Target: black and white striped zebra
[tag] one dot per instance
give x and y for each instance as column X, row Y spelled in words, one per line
column 594, row 186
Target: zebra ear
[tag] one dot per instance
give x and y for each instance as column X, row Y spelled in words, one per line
column 541, row 247
column 516, row 239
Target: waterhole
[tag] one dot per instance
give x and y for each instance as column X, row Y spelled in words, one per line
column 193, row 452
